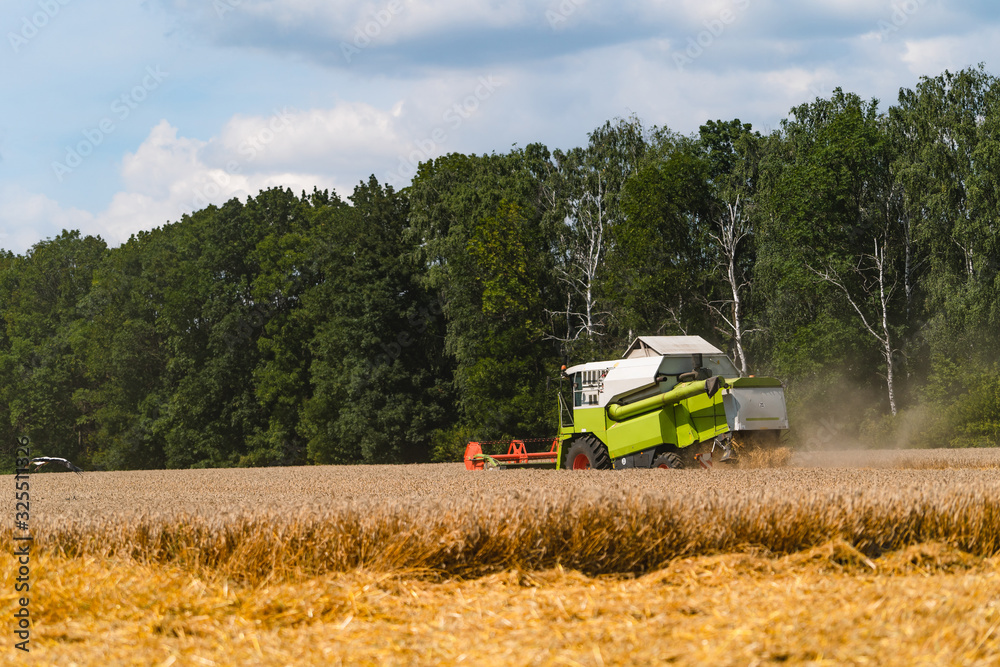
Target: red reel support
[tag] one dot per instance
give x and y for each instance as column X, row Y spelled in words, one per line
column 517, row 455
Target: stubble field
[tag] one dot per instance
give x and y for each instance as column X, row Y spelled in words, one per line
column 837, row 558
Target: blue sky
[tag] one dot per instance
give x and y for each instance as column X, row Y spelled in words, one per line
column 120, row 116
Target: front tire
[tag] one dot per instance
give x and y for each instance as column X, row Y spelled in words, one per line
column 668, row 460
column 585, row 453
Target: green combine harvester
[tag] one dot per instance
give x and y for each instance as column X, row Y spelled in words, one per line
column 669, row 402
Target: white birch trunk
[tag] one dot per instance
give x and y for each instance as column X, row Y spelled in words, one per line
column 732, row 231
column 881, row 331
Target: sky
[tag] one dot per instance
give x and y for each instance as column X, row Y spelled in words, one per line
column 121, row 116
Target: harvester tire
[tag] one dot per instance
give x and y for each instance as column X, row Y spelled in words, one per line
column 585, row 453
column 668, row 460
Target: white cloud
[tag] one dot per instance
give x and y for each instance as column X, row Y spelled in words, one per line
column 26, row 218
column 166, row 177
column 797, row 84
column 160, row 162
column 932, row 56
column 169, row 175
column 320, row 138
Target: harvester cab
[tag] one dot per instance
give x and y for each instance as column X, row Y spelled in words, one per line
column 669, row 402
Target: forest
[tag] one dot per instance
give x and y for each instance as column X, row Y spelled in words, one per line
column 853, row 252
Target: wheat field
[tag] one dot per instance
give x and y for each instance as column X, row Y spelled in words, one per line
column 831, row 558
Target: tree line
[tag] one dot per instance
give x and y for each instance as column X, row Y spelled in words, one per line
column 852, row 252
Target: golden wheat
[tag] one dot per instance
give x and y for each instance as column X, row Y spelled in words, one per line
column 893, row 564
column 282, row 524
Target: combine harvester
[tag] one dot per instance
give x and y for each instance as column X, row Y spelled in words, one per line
column 670, row 402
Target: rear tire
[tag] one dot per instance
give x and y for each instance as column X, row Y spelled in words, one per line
column 586, row 453
column 668, row 460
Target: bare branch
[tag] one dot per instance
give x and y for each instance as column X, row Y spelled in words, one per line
column 833, row 278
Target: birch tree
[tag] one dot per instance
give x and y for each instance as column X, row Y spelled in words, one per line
column 731, row 151
column 732, row 230
column 948, row 139
column 589, row 182
column 835, row 213
column 870, row 298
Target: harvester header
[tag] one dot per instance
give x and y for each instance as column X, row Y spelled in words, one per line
column 670, row 402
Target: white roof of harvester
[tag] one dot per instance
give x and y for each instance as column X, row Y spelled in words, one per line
column 646, row 364
column 669, row 346
column 602, row 382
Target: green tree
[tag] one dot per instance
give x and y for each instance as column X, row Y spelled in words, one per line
column 40, row 372
column 947, row 126
column 830, row 225
column 484, row 226
column 124, row 355
column 657, row 266
column 381, row 381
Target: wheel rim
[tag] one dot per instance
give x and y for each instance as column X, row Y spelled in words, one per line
column 581, row 462
column 664, row 465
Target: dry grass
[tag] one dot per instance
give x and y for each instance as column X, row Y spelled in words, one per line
column 896, row 564
column 924, row 605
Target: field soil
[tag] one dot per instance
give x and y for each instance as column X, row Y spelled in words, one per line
column 836, row 558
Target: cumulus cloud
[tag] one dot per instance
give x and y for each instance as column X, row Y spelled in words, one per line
column 931, row 56
column 161, row 162
column 169, row 174
column 327, row 139
column 27, row 217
